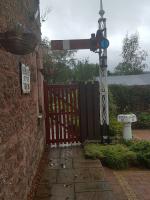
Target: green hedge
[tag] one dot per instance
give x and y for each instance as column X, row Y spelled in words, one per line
column 114, row 156
column 131, row 98
column 120, row 156
column 143, row 120
column 142, row 150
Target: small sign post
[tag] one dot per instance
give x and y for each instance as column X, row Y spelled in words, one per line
column 25, row 79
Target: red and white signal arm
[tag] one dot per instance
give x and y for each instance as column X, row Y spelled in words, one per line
column 70, row 44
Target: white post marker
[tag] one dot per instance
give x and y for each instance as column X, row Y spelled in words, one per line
column 127, row 120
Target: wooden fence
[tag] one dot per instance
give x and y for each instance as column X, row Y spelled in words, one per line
column 89, row 103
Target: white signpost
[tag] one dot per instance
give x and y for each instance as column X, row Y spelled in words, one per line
column 25, row 78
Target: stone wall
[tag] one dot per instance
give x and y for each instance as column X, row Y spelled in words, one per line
column 22, row 137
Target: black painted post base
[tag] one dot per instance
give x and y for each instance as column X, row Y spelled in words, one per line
column 105, row 138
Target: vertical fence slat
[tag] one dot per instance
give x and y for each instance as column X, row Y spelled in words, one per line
column 52, row 115
column 46, row 106
column 59, row 114
column 83, row 112
column 97, row 134
column 89, row 93
column 75, row 115
column 78, row 115
column 63, row 115
column 71, row 116
column 67, row 110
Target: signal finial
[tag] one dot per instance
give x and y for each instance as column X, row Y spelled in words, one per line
column 101, row 12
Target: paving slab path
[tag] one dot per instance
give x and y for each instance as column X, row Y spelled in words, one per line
column 69, row 176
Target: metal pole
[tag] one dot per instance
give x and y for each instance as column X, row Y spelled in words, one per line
column 104, row 109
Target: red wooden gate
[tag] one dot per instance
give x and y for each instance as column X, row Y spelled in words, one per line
column 62, row 113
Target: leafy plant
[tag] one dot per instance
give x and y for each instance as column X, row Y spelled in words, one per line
column 94, row 151
column 142, row 149
column 128, row 143
column 143, row 120
column 119, row 157
column 115, row 127
column 114, row 156
column 144, row 159
column 140, row 146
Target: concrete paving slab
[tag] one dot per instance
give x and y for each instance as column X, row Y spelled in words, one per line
column 92, row 187
column 80, row 175
column 69, row 176
column 95, row 196
column 66, row 163
column 43, row 192
column 84, row 163
column 54, row 153
column 62, row 191
column 60, row 163
column 54, row 163
column 55, row 192
column 49, row 176
column 97, row 174
column 72, row 152
column 65, row 176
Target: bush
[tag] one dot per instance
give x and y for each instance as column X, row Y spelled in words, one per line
column 94, row 151
column 140, row 146
column 131, row 98
column 128, row 143
column 142, row 149
column 143, row 120
column 119, row 157
column 115, row 127
column 113, row 156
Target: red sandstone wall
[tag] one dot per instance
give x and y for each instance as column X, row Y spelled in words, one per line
column 21, row 136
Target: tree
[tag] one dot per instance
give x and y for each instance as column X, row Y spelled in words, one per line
column 133, row 57
column 85, row 71
column 57, row 64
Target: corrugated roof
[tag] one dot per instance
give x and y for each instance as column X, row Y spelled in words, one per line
column 141, row 79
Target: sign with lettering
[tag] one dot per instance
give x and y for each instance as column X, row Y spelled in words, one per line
column 25, row 78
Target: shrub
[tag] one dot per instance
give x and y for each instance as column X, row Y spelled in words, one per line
column 119, row 157
column 140, row 146
column 143, row 120
column 128, row 143
column 94, row 151
column 113, row 156
column 142, row 149
column 115, row 127
column 131, row 98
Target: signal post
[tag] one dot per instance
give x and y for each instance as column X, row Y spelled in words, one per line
column 98, row 43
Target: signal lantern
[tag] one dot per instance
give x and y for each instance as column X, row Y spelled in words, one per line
column 99, row 35
column 102, row 42
column 93, row 43
column 98, row 41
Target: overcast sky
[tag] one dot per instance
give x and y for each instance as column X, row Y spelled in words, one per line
column 77, row 19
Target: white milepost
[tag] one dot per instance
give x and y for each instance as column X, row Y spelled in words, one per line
column 127, row 120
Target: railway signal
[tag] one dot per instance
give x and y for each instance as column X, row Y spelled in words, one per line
column 98, row 43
